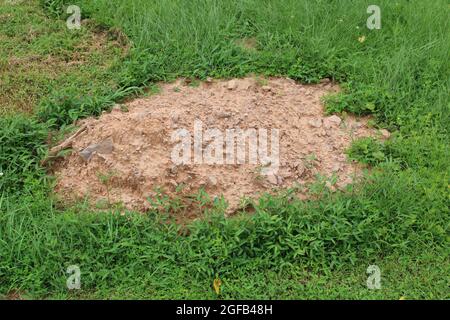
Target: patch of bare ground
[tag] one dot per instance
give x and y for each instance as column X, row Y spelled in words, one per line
column 124, row 156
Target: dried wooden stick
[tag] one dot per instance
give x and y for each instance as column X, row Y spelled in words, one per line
column 64, row 145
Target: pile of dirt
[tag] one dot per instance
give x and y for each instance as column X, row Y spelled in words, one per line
column 125, row 155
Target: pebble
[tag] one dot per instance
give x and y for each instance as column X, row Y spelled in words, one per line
column 316, row 123
column 212, row 181
column 104, row 147
column 223, row 114
column 332, row 121
column 231, row 85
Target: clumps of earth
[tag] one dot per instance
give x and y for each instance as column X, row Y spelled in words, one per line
column 126, row 156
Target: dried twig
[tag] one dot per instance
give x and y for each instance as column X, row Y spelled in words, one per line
column 64, row 145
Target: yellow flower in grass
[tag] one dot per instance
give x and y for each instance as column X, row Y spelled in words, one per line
column 362, row 39
column 216, row 285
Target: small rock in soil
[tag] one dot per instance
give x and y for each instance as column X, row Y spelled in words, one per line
column 316, row 123
column 232, row 84
column 332, row 121
column 104, row 147
column 212, row 181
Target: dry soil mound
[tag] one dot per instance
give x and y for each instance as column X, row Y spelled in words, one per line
column 125, row 155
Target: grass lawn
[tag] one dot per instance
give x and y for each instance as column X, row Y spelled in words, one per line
column 397, row 217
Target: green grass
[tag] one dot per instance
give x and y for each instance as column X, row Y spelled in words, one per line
column 43, row 63
column 396, row 217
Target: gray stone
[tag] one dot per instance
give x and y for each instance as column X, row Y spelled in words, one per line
column 104, row 147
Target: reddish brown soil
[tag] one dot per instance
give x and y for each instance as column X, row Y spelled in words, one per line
column 134, row 143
